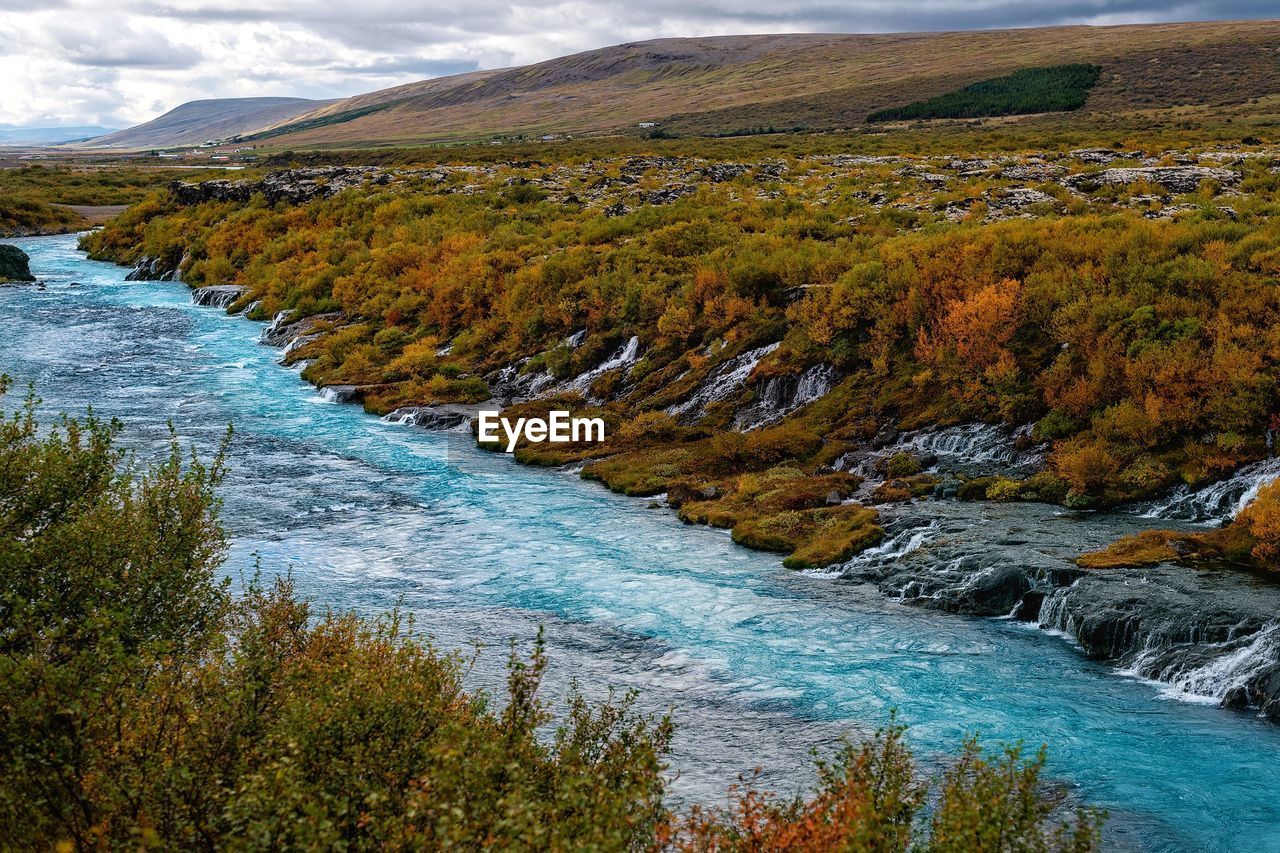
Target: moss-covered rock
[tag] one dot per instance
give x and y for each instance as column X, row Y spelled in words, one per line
column 812, row 538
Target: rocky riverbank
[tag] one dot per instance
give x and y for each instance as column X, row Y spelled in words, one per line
column 1204, row 634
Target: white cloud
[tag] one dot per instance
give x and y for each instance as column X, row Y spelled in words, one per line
column 120, row 62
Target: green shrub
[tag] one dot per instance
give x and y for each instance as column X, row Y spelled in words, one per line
column 140, row 706
column 143, row 707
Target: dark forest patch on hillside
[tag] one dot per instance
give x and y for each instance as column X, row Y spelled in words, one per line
column 1057, row 88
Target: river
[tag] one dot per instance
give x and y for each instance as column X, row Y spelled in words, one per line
column 757, row 663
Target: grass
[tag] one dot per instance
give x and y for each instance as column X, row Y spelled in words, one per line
column 821, row 83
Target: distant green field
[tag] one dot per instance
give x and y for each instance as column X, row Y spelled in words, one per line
column 1057, row 88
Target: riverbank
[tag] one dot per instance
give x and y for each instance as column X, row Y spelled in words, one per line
column 759, row 662
column 1204, row 635
column 752, row 330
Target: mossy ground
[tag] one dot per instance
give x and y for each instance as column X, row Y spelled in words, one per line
column 1232, row 544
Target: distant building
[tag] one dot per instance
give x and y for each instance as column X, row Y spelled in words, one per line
column 647, row 124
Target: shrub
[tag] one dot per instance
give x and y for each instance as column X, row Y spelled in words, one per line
column 1004, row 489
column 869, row 798
column 904, row 463
column 647, row 427
column 1262, row 518
column 140, row 706
column 1087, row 467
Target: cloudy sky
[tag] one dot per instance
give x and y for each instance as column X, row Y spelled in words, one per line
column 120, row 62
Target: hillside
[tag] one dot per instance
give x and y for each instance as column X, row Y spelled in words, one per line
column 36, row 136
column 734, row 83
column 197, row 121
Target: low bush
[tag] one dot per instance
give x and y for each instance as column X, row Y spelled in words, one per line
column 144, row 707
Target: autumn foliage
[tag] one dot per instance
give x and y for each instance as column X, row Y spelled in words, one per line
column 1144, row 351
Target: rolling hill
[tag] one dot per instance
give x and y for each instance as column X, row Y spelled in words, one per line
column 198, row 121
column 40, row 136
column 733, row 84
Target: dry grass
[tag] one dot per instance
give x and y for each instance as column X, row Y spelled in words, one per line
column 723, row 85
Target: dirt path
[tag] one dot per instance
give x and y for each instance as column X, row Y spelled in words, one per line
column 96, row 214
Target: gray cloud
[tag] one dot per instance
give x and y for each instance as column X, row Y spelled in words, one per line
column 149, row 55
column 420, row 68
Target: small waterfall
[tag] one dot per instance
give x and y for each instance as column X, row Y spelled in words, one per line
column 217, row 296
column 899, row 545
column 1220, row 672
column 721, row 383
column 782, row 395
column 626, row 356
column 296, row 343
column 338, row 393
column 969, row 448
column 510, row 382
column 1217, row 502
column 887, row 552
column 277, row 324
column 971, row 442
column 1054, row 616
column 446, row 418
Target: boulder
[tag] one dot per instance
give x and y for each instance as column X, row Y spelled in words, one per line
column 885, row 436
column 14, row 264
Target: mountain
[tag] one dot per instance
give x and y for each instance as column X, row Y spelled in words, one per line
column 200, row 121
column 16, row 135
column 741, row 83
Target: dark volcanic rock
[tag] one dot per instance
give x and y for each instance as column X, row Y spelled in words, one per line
column 1115, row 612
column 217, row 295
column 152, row 269
column 667, row 195
column 286, row 332
column 442, row 417
column 885, row 436
column 14, row 264
column 720, row 172
column 294, row 186
column 1206, row 632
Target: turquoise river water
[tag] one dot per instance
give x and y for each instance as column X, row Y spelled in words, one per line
column 757, row 663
